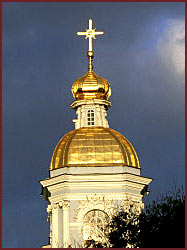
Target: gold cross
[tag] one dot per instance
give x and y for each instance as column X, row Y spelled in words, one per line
column 90, row 33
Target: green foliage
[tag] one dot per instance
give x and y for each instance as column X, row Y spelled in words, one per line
column 122, row 229
column 160, row 225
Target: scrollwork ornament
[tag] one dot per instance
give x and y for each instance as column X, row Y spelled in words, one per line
column 132, row 206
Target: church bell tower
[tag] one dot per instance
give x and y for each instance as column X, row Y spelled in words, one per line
column 94, row 169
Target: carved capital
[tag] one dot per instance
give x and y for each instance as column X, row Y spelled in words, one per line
column 55, row 206
column 60, row 204
column 64, row 203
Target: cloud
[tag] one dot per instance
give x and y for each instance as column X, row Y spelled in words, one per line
column 171, row 45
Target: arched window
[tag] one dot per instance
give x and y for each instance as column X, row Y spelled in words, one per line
column 90, row 117
column 95, row 222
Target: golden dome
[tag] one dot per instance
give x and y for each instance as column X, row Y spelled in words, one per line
column 93, row 146
column 91, row 86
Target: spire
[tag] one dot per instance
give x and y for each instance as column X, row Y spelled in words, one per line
column 90, row 33
column 91, row 86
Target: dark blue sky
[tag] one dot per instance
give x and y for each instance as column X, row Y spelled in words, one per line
column 141, row 55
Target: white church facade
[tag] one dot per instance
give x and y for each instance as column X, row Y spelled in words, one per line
column 94, row 169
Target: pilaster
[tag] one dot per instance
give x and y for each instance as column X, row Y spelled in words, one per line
column 66, row 229
column 58, row 217
column 56, row 226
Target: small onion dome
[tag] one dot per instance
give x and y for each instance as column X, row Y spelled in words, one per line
column 91, row 86
column 93, row 146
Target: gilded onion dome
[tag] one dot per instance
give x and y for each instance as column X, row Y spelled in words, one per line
column 91, row 86
column 93, row 146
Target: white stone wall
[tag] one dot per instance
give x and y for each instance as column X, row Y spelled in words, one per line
column 75, row 191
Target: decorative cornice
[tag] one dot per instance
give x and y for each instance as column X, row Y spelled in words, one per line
column 70, row 178
column 75, row 104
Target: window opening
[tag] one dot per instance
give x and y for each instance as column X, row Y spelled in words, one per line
column 90, row 117
column 95, row 224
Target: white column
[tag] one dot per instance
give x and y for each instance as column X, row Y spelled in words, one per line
column 49, row 219
column 97, row 116
column 82, row 118
column 78, row 118
column 66, row 230
column 57, row 222
column 106, row 125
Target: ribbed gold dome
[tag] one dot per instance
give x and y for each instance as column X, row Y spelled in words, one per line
column 93, row 146
column 91, row 86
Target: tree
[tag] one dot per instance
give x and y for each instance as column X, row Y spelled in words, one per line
column 160, row 225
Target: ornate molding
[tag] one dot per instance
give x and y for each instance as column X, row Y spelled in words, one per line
column 94, row 202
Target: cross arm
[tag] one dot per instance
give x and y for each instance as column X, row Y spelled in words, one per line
column 81, row 33
column 99, row 32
